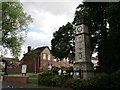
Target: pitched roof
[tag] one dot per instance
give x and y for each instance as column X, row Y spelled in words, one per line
column 37, row 50
column 40, row 49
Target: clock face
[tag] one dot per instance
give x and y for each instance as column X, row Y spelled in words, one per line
column 79, row 28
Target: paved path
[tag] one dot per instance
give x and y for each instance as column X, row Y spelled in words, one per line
column 9, row 86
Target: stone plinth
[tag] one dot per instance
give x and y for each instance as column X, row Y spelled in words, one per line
column 85, row 69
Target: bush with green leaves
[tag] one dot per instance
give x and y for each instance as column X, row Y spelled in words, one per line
column 97, row 81
column 78, row 83
column 50, row 79
column 115, row 80
column 58, row 81
column 102, row 81
column 45, row 78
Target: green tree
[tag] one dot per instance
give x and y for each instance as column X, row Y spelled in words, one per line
column 63, row 42
column 14, row 24
column 112, row 56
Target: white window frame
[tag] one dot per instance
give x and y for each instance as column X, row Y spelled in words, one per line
column 44, row 56
column 64, row 60
column 55, row 59
column 49, row 57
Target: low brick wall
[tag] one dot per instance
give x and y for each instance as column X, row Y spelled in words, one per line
column 18, row 69
column 16, row 79
column 14, row 70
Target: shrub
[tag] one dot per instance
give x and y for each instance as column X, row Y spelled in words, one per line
column 45, row 78
column 101, row 81
column 49, row 79
column 58, row 81
column 115, row 80
column 76, row 83
column 97, row 81
column 67, row 83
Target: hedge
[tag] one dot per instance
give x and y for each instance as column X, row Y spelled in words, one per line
column 98, row 81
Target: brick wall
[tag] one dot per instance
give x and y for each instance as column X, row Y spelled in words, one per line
column 18, row 69
column 41, row 64
column 29, row 62
column 16, row 79
column 42, row 61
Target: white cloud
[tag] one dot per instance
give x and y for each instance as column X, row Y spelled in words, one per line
column 48, row 16
column 36, row 39
column 51, row 0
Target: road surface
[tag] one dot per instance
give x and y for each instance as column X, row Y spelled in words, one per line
column 15, row 86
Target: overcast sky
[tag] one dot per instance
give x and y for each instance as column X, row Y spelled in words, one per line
column 48, row 16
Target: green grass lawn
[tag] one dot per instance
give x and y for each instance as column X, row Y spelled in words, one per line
column 33, row 81
column 13, row 73
column 34, row 76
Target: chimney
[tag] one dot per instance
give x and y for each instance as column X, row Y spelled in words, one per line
column 29, row 49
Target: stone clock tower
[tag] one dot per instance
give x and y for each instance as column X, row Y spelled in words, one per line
column 82, row 50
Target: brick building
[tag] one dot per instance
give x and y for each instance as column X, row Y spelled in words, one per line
column 40, row 59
